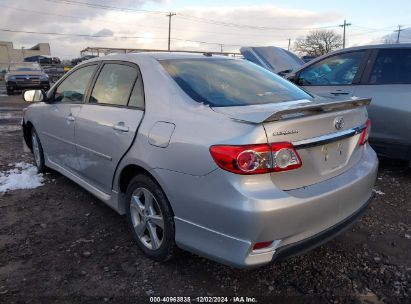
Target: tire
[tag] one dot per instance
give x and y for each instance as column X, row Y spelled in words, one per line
column 144, row 219
column 37, row 152
column 10, row 92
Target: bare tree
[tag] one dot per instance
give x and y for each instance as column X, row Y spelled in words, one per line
column 318, row 43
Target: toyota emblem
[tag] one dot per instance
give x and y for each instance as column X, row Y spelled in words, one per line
column 339, row 122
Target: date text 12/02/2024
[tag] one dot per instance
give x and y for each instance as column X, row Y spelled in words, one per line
column 208, row 299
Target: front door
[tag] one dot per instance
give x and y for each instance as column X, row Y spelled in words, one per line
column 106, row 126
column 334, row 76
column 57, row 127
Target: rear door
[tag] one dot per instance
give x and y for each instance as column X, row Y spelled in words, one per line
column 388, row 82
column 335, row 76
column 107, row 124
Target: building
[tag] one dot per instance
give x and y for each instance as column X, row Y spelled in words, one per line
column 9, row 54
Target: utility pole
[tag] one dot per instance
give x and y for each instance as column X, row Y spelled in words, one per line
column 399, row 31
column 169, row 28
column 221, row 48
column 289, row 42
column 344, row 26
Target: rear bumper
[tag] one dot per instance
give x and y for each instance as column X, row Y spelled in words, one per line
column 323, row 237
column 222, row 215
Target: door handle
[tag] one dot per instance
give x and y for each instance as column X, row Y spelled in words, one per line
column 120, row 127
column 70, row 118
column 340, row 93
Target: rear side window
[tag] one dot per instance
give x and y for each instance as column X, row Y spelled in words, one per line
column 229, row 82
column 392, row 66
column 137, row 95
column 114, row 84
column 73, row 88
column 339, row 69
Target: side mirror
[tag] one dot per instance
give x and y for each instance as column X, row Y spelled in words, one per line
column 294, row 78
column 34, row 95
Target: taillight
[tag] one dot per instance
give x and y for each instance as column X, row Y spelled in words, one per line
column 256, row 159
column 366, row 132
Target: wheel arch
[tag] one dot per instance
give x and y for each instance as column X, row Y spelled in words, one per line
column 27, row 127
column 126, row 174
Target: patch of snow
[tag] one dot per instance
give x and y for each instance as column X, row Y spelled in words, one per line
column 22, row 176
column 378, row 192
column 407, row 236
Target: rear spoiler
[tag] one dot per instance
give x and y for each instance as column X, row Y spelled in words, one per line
column 288, row 110
column 312, row 109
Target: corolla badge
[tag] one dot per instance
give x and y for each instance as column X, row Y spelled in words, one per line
column 339, row 122
column 285, row 132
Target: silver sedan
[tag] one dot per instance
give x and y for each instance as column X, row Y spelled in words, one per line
column 211, row 154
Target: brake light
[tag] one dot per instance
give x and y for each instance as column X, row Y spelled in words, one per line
column 366, row 132
column 256, row 159
column 262, row 245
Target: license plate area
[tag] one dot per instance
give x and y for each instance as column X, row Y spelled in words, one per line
column 331, row 156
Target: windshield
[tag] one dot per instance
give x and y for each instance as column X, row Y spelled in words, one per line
column 24, row 66
column 229, row 82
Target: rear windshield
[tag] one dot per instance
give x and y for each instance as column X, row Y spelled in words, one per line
column 228, row 82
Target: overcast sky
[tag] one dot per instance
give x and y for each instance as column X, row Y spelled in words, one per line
column 231, row 23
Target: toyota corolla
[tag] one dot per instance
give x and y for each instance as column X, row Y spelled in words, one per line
column 207, row 153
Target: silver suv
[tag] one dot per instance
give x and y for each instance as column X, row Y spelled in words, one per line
column 211, row 154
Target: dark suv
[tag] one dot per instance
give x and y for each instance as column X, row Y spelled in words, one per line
column 25, row 75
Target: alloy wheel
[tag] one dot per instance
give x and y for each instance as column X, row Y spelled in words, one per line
column 147, row 218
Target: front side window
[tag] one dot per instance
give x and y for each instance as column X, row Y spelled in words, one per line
column 73, row 88
column 229, row 82
column 392, row 66
column 114, row 84
column 335, row 70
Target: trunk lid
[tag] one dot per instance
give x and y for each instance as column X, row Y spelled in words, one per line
column 325, row 134
column 272, row 58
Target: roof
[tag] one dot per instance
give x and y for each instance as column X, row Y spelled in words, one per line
column 155, row 55
column 377, row 46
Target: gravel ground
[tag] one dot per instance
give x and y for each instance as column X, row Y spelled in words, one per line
column 60, row 244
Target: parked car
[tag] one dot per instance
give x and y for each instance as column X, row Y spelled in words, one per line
column 308, row 58
column 41, row 59
column 381, row 72
column 76, row 61
column 272, row 58
column 212, row 154
column 25, row 75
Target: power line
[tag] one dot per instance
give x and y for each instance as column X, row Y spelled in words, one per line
column 73, row 17
column 238, row 25
column 113, row 36
column 185, row 16
column 29, row 11
column 77, row 35
column 105, row 7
